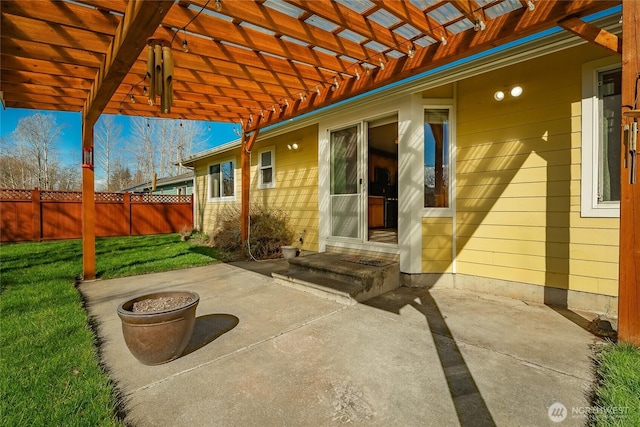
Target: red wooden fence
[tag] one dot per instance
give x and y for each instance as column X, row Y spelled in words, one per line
column 50, row 215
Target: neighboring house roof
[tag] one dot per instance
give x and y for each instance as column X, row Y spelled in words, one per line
column 548, row 42
column 160, row 182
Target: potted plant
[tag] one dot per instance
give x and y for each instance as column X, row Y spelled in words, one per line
column 157, row 327
column 289, row 252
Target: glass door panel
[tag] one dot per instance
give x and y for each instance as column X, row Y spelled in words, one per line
column 345, row 183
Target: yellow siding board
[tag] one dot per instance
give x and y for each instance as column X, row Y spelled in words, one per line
column 429, row 266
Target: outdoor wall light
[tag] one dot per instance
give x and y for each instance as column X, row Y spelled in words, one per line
column 516, row 91
column 293, row 146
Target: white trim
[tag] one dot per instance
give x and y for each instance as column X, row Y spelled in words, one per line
column 222, row 199
column 352, row 118
column 589, row 206
column 272, row 184
column 448, row 212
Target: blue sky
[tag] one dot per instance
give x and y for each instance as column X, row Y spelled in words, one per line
column 71, row 130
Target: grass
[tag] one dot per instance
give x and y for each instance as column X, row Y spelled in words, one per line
column 49, row 365
column 617, row 395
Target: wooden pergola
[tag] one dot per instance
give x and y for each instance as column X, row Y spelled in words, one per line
column 258, row 63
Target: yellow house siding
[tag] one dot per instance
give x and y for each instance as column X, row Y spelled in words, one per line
column 295, row 191
column 209, row 215
column 437, row 245
column 518, row 180
column 296, row 182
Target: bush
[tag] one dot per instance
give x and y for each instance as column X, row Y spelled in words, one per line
column 269, row 230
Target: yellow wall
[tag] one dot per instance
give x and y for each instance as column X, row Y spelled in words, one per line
column 518, row 180
column 437, row 245
column 295, row 192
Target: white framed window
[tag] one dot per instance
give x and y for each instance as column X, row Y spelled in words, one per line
column 222, row 182
column 266, row 168
column 439, row 149
column 601, row 138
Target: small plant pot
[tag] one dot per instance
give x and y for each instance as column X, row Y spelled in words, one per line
column 289, row 252
column 157, row 337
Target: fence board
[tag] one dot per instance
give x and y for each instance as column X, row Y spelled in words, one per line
column 33, row 215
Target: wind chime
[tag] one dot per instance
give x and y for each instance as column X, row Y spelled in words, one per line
column 160, row 73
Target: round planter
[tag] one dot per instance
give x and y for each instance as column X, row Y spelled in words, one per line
column 159, row 336
column 289, row 252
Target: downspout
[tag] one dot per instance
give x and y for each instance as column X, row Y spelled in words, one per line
column 245, row 161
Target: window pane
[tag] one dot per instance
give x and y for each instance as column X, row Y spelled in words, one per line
column 214, row 180
column 436, row 158
column 265, row 159
column 344, row 161
column 267, row 175
column 227, row 179
column 610, row 103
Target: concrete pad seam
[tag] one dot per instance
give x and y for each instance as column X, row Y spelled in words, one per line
column 365, row 308
column 523, row 361
column 237, row 351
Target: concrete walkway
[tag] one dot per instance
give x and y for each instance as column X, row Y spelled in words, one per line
column 267, row 355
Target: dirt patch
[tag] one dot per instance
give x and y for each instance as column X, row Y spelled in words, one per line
column 160, row 304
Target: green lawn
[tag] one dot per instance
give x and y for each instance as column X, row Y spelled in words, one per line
column 49, row 368
column 617, row 400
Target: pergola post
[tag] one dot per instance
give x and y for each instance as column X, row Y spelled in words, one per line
column 88, row 203
column 629, row 287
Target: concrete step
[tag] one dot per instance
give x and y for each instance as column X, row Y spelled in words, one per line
column 339, row 277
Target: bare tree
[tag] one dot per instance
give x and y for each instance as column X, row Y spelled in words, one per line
column 107, row 138
column 121, row 176
column 141, row 147
column 159, row 145
column 35, row 138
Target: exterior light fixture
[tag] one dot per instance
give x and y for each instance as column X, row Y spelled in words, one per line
column 499, row 95
column 357, row 74
column 411, row 51
column 185, row 46
column 218, row 6
column 293, row 146
column 381, row 64
column 144, row 90
column 443, row 40
column 516, row 91
column 531, row 5
column 132, row 99
column 479, row 25
column 317, row 90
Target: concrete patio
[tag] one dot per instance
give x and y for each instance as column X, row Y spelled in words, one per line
column 264, row 354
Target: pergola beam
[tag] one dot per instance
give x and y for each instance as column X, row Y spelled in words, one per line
column 140, row 21
column 592, row 34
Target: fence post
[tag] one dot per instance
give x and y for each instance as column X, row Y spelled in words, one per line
column 127, row 212
column 37, row 215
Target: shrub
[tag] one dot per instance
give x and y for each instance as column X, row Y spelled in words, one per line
column 269, row 230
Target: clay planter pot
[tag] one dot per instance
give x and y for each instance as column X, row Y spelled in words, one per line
column 159, row 336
